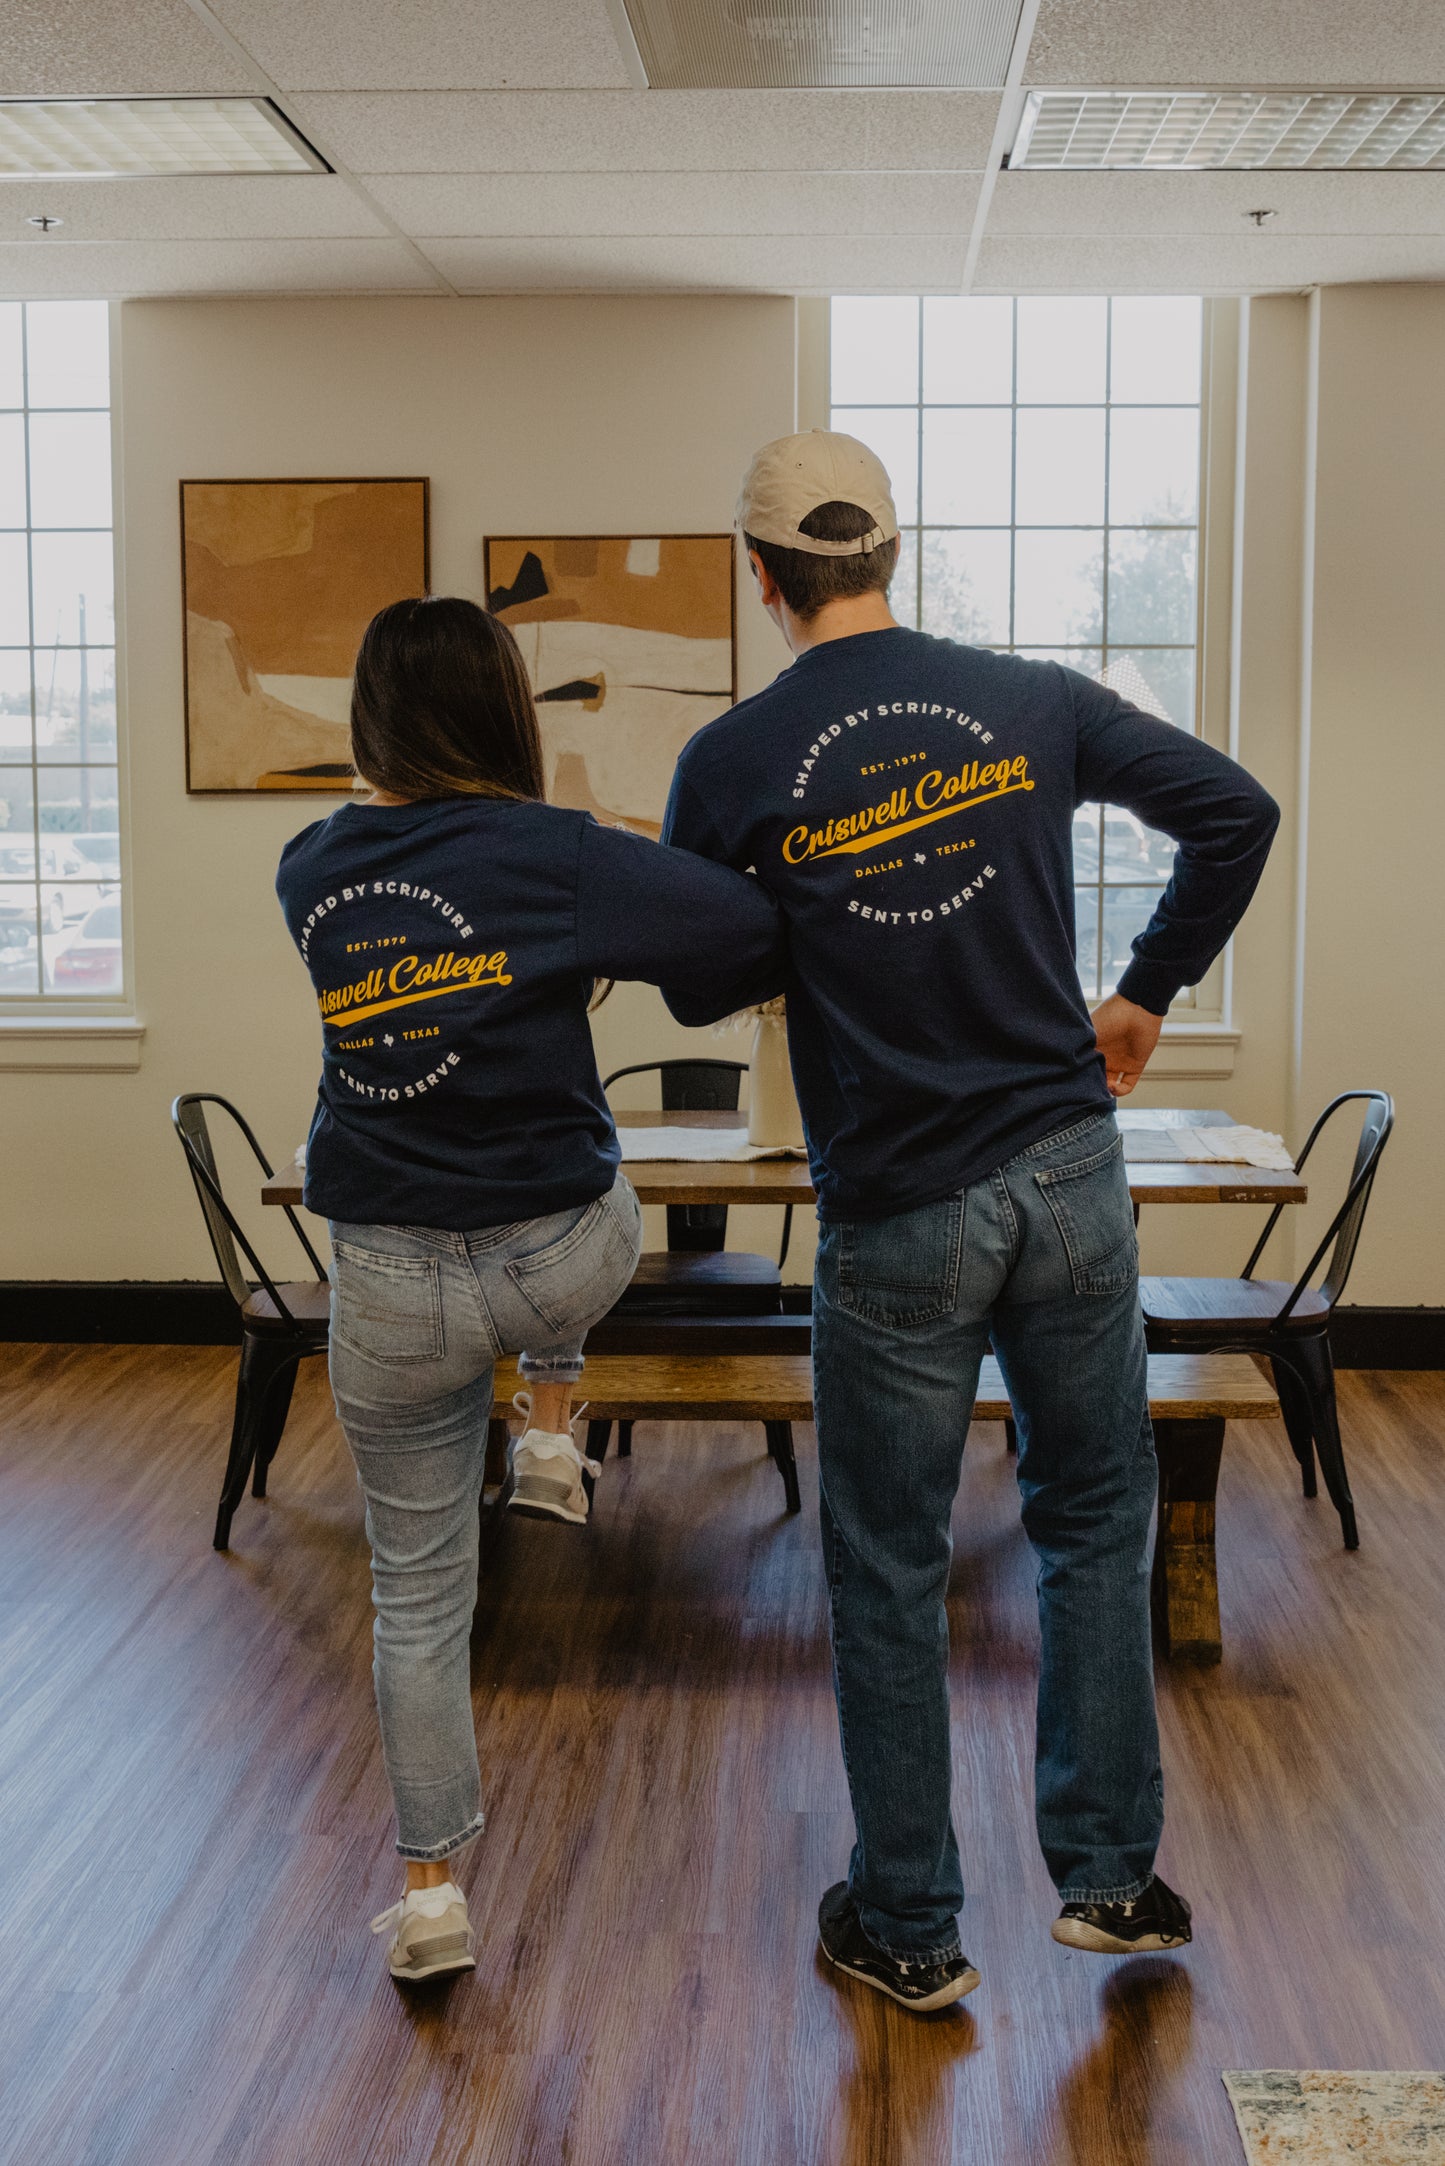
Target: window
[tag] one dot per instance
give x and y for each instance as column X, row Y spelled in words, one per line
column 59, row 796
column 1045, row 456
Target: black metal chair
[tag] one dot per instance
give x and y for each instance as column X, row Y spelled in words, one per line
column 696, row 1274
column 281, row 1321
column 1288, row 1324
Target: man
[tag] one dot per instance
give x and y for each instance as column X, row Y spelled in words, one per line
column 910, row 802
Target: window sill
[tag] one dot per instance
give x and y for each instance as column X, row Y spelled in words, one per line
column 70, row 1044
column 1194, row 1053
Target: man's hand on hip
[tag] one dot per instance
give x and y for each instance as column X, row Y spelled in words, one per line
column 1127, row 1036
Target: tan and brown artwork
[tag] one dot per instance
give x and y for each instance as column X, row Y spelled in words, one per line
column 280, row 579
column 629, row 642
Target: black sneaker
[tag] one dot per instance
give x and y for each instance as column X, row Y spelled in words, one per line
column 912, row 1982
column 1155, row 1920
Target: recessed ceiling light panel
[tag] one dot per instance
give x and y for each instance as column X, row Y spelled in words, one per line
column 102, row 138
column 822, row 44
column 1231, row 131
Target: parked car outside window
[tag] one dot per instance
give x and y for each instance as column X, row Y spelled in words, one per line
column 91, row 961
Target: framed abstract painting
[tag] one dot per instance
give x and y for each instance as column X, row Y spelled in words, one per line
column 630, row 642
column 279, row 580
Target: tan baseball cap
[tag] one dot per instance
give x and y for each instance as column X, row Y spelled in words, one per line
column 795, row 474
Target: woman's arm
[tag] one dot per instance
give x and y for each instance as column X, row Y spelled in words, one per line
column 712, row 939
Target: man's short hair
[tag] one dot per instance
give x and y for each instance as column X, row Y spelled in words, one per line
column 808, row 583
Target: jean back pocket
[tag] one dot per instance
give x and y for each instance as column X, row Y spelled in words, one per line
column 575, row 1279
column 387, row 1307
column 901, row 1270
column 1091, row 1207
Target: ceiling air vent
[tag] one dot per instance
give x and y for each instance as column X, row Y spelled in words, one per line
column 104, row 138
column 1231, row 131
column 823, row 44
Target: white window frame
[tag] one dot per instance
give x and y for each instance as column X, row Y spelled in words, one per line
column 50, row 1033
column 1199, row 1037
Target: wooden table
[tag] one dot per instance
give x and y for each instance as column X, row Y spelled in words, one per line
column 1191, row 1441
column 787, row 1180
column 1191, row 1398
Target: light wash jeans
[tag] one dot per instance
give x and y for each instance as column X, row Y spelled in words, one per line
column 1042, row 1258
column 418, row 1318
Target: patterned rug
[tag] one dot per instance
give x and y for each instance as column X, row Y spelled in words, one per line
column 1328, row 2117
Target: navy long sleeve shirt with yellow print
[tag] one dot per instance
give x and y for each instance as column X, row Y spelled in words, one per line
column 910, row 802
column 452, row 946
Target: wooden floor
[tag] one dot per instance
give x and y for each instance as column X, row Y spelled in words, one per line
column 197, row 1830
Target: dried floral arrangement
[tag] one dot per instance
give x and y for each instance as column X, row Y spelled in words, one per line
column 755, row 1014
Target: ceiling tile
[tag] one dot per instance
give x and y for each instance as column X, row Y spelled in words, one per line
column 1105, row 203
column 926, row 130
column 798, row 263
column 469, row 204
column 1246, row 263
column 1301, row 43
column 439, row 45
column 653, row 130
column 234, row 207
column 111, row 48
column 129, row 268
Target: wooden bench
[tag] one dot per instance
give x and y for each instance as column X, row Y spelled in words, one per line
column 1191, row 1397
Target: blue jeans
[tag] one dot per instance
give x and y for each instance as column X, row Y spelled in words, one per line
column 1040, row 1257
column 418, row 1318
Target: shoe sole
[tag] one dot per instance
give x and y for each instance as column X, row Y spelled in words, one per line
column 1074, row 1933
column 526, row 1509
column 412, row 1974
column 943, row 1998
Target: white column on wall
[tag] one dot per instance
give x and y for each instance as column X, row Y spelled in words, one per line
column 1368, row 986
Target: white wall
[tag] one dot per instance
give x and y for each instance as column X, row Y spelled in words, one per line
column 638, row 414
column 560, row 415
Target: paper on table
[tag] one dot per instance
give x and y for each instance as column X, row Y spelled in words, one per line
column 698, row 1145
column 1206, row 1146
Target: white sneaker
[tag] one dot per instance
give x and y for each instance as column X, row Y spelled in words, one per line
column 432, row 1933
column 547, row 1471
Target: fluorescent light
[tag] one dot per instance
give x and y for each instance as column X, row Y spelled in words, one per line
column 1229, row 131
column 101, row 138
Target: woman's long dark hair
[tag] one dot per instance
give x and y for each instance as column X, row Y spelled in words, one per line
column 441, row 706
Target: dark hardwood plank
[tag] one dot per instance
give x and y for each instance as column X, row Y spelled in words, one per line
column 197, row 1829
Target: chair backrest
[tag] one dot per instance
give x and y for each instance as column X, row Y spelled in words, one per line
column 693, row 1086
column 1344, row 1228
column 189, row 1119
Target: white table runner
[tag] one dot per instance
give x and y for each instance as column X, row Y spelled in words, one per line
column 1204, row 1146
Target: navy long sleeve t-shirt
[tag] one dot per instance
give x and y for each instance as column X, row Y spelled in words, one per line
column 453, row 946
column 910, row 802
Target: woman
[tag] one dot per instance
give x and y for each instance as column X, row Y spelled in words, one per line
column 454, row 924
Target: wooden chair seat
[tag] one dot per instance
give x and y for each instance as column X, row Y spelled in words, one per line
column 701, row 1282
column 703, row 1267
column 1181, row 1309
column 309, row 1301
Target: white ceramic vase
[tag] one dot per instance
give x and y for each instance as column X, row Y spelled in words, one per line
column 773, row 1116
